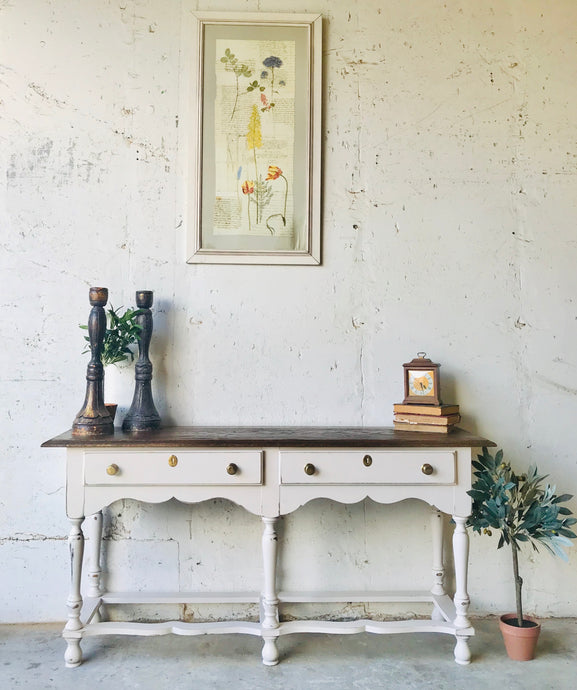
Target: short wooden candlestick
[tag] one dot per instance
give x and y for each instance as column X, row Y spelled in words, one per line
column 93, row 419
column 142, row 415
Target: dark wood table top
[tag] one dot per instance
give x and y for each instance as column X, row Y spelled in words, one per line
column 252, row 436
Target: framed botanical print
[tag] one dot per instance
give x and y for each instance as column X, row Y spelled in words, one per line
column 251, row 137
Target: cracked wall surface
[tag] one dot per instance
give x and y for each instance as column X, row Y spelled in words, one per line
column 449, row 167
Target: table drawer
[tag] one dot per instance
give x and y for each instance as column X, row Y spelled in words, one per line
column 179, row 467
column 367, row 467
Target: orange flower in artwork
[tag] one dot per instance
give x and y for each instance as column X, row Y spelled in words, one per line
column 247, row 187
column 273, row 172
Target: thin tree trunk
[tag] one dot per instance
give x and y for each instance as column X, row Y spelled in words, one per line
column 518, row 584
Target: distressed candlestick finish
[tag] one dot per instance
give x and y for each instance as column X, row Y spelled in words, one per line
column 93, row 418
column 142, row 415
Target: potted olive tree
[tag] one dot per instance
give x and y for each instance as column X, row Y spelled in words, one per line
column 122, row 334
column 525, row 511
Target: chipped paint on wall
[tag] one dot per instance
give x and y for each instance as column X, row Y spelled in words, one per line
column 449, row 164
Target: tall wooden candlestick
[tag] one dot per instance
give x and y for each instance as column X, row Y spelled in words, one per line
column 142, row 415
column 93, row 418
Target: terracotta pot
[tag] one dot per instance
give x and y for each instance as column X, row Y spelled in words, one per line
column 520, row 643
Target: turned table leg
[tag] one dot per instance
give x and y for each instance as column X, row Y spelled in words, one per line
column 270, row 621
column 438, row 569
column 71, row 633
column 461, row 600
column 94, row 572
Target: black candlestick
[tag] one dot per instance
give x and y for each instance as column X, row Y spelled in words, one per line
column 93, row 418
column 142, row 415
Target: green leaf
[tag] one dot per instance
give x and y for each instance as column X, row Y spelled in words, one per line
column 562, row 498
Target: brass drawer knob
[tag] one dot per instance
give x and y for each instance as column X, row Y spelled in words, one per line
column 232, row 468
column 112, row 469
column 427, row 469
column 310, row 469
column 367, row 461
column 173, row 461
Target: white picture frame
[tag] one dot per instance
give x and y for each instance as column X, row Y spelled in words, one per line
column 250, row 137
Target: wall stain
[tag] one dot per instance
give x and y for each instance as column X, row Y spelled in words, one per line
column 557, row 386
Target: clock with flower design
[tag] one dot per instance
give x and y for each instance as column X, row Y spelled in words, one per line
column 422, row 384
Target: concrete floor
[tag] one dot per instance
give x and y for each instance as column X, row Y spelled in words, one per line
column 31, row 657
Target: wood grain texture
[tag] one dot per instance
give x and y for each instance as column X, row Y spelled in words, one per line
column 353, row 437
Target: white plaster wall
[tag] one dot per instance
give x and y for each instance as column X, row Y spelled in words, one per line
column 450, row 146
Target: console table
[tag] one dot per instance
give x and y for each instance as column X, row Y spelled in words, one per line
column 270, row 472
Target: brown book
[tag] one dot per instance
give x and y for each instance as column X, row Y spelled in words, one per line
column 402, row 426
column 436, row 410
column 428, row 419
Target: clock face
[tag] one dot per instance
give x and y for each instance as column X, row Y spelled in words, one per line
column 421, row 382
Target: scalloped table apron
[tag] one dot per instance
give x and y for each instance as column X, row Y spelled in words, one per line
column 269, row 471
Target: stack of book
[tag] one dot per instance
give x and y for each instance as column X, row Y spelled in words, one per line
column 436, row 418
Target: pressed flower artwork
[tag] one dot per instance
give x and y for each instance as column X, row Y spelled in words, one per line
column 253, row 183
column 254, row 112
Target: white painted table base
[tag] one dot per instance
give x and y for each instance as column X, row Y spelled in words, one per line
column 393, row 474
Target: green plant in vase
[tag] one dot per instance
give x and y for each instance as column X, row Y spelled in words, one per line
column 524, row 510
column 121, row 336
column 122, row 332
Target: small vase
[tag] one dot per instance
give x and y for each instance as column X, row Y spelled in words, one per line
column 111, row 407
column 118, row 385
column 520, row 643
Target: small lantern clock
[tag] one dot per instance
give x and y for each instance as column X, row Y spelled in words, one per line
column 422, row 383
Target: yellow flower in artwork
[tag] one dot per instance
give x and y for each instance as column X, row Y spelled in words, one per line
column 254, row 134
